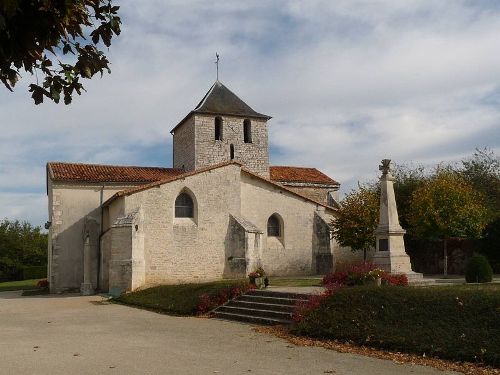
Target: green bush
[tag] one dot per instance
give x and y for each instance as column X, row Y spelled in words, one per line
column 34, row 272
column 478, row 270
column 457, row 322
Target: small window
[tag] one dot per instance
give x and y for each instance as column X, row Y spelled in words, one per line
column 273, row 226
column 329, row 199
column 231, row 151
column 184, row 206
column 247, row 131
column 218, row 128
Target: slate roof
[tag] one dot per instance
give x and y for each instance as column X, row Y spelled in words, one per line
column 77, row 172
column 286, row 174
column 219, row 100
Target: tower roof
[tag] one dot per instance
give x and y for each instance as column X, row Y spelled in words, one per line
column 219, row 100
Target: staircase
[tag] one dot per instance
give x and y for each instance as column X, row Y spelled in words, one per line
column 260, row 307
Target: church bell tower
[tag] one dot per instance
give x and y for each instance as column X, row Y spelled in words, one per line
column 222, row 128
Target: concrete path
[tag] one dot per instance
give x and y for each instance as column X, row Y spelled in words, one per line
column 82, row 335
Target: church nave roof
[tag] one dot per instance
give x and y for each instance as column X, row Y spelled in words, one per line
column 286, row 174
column 79, row 172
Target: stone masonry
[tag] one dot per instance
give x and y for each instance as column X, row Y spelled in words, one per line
column 195, row 145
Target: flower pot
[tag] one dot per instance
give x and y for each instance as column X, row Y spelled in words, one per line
column 259, row 282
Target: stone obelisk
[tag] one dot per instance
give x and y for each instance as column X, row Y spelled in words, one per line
column 390, row 252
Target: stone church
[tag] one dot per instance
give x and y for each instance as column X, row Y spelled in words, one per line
column 220, row 212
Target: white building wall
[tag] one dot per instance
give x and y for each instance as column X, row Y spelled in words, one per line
column 293, row 253
column 68, row 204
column 180, row 250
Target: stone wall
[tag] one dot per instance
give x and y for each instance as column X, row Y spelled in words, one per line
column 184, row 145
column 254, row 156
column 294, row 253
column 120, row 264
column 126, row 257
column 180, row 250
column 212, row 244
column 318, row 194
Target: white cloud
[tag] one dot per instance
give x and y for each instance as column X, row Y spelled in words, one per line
column 347, row 83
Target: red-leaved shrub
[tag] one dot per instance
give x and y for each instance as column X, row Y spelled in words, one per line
column 42, row 284
column 305, row 306
column 398, row 280
column 361, row 273
column 208, row 302
column 354, row 274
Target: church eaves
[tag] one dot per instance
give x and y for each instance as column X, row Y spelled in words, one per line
column 219, row 100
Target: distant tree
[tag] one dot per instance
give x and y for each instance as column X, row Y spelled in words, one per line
column 21, row 244
column 482, row 171
column 48, row 38
column 446, row 206
column 407, row 179
column 357, row 220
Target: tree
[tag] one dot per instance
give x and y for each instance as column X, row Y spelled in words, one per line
column 407, row 179
column 48, row 38
column 482, row 171
column 357, row 220
column 21, row 245
column 446, row 206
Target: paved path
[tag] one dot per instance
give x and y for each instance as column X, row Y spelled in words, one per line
column 81, row 335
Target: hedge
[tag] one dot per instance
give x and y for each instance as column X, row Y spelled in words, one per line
column 457, row 323
column 34, row 272
column 181, row 299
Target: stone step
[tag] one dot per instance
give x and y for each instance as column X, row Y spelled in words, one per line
column 272, row 300
column 261, row 306
column 268, row 293
column 264, row 313
column 250, row 319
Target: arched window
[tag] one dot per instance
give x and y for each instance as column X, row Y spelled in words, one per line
column 273, row 226
column 247, row 131
column 184, row 206
column 218, row 128
column 231, row 151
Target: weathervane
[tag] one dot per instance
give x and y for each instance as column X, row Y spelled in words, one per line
column 217, row 64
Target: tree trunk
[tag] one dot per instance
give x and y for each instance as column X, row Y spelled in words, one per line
column 445, row 260
column 364, row 255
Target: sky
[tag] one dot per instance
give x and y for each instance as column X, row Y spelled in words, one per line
column 348, row 83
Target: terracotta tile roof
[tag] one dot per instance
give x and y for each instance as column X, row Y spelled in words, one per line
column 108, row 173
column 299, row 174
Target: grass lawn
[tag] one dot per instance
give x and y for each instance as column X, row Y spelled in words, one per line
column 458, row 322
column 18, row 285
column 179, row 299
column 294, row 282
